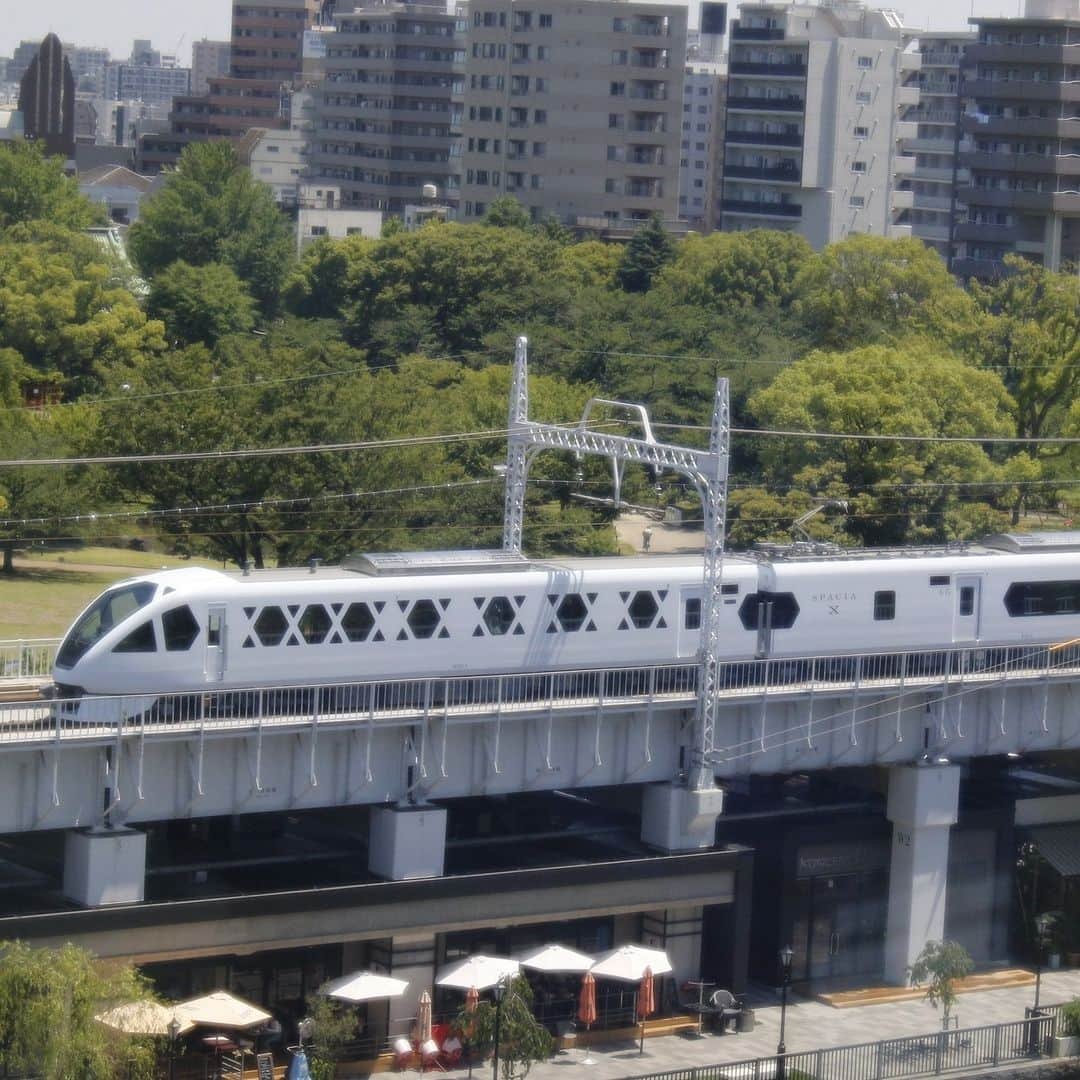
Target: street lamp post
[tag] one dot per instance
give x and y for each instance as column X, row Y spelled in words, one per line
column 1042, row 929
column 786, row 954
column 174, row 1034
column 499, row 991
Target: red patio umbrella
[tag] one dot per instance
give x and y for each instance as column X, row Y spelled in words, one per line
column 646, row 1003
column 586, row 1013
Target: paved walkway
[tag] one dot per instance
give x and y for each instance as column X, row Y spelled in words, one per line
column 810, row 1025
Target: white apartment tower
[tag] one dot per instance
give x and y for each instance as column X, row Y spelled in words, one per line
column 813, row 122
column 209, row 60
column 574, row 107
column 702, row 131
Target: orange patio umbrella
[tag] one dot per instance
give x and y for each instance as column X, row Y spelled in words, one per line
column 646, row 1003
column 586, row 1013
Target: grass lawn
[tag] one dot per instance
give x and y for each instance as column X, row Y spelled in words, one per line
column 47, row 591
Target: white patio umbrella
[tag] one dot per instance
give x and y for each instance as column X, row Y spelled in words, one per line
column 479, row 971
column 221, row 1010
column 628, row 963
column 143, row 1018
column 364, row 986
column 556, row 959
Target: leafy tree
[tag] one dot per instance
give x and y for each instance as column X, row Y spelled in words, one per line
column 200, row 304
column 33, row 187
column 523, row 1040
column 552, row 228
column 48, row 1001
column 892, row 488
column 506, row 212
column 318, row 287
column 211, row 210
column 940, row 965
column 589, row 263
column 650, row 249
column 334, row 1026
column 736, row 271
column 64, row 313
column 867, row 289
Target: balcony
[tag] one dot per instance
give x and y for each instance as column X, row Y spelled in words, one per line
column 743, row 137
column 780, row 70
column 1022, row 54
column 986, row 269
column 903, row 165
column 907, row 96
column 910, row 61
column 906, row 129
column 1060, row 202
column 756, row 33
column 642, row 94
column 985, row 233
column 1022, row 90
column 755, row 208
column 902, row 200
column 777, row 174
column 765, row 104
column 1022, row 125
column 1044, row 164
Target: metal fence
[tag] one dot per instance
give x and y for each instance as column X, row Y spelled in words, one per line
column 27, row 658
column 915, row 1055
column 503, row 696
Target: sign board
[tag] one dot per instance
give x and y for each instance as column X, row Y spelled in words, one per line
column 265, row 1062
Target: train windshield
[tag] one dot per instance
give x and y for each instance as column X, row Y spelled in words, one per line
column 107, row 611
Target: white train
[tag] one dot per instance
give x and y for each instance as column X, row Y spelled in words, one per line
column 396, row 617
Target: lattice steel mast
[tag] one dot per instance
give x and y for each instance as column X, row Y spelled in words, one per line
column 706, row 470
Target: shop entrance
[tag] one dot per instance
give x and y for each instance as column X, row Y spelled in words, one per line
column 839, row 927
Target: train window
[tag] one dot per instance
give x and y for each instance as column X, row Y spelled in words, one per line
column 103, row 614
column 499, row 615
column 778, row 611
column 141, row 639
column 357, row 622
column 643, row 609
column 180, row 628
column 271, row 625
column 692, row 613
column 939, row 579
column 423, row 620
column 572, row 612
column 967, row 600
column 729, row 590
column 884, row 605
column 314, row 624
column 1042, row 598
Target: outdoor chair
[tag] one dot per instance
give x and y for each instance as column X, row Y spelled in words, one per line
column 429, row 1056
column 403, row 1053
column 725, row 1008
column 567, row 1031
column 452, row 1052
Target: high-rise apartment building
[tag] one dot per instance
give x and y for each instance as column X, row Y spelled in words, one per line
column 812, row 120
column 936, row 114
column 702, row 132
column 154, row 85
column 209, row 60
column 385, row 119
column 1022, row 127
column 47, row 99
column 574, row 108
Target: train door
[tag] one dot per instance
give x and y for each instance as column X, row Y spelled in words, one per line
column 214, row 664
column 690, row 620
column 966, row 603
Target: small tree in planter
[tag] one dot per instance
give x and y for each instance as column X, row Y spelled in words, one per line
column 940, row 965
column 1067, row 1040
column 523, row 1041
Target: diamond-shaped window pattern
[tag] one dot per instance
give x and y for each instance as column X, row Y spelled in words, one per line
column 572, row 612
column 314, row 624
column 423, row 619
column 271, row 625
column 357, row 622
column 499, row 615
column 643, row 609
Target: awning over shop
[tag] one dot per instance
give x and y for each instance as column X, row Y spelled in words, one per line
column 1059, row 845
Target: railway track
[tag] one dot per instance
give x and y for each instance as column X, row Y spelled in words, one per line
column 28, row 690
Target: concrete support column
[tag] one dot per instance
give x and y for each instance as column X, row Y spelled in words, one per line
column 1052, row 242
column 678, row 932
column 678, row 818
column 922, row 806
column 412, row 957
column 407, row 842
column 104, row 866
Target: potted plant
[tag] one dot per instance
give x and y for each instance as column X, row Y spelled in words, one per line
column 1067, row 1039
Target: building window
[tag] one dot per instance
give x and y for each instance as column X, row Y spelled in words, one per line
column 539, row 149
column 857, row 202
column 860, row 131
column 545, row 22
column 866, row 61
column 619, row 56
column 885, row 605
column 618, row 89
column 536, row 182
column 858, row 166
column 539, row 116
column 864, row 97
column 615, row 121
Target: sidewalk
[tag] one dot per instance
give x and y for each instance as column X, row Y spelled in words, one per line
column 810, row 1025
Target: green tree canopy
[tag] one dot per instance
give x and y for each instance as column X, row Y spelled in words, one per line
column 867, row 289
column 523, row 1040
column 65, row 314
column 726, row 271
column 33, row 187
column 200, row 304
column 48, row 1001
column 506, row 212
column 890, row 486
column 941, row 965
column 650, row 249
column 211, row 210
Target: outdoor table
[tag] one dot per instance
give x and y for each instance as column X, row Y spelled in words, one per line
column 701, row 986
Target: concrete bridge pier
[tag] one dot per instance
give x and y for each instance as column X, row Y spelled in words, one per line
column 104, row 866
column 675, row 817
column 407, row 842
column 922, row 805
